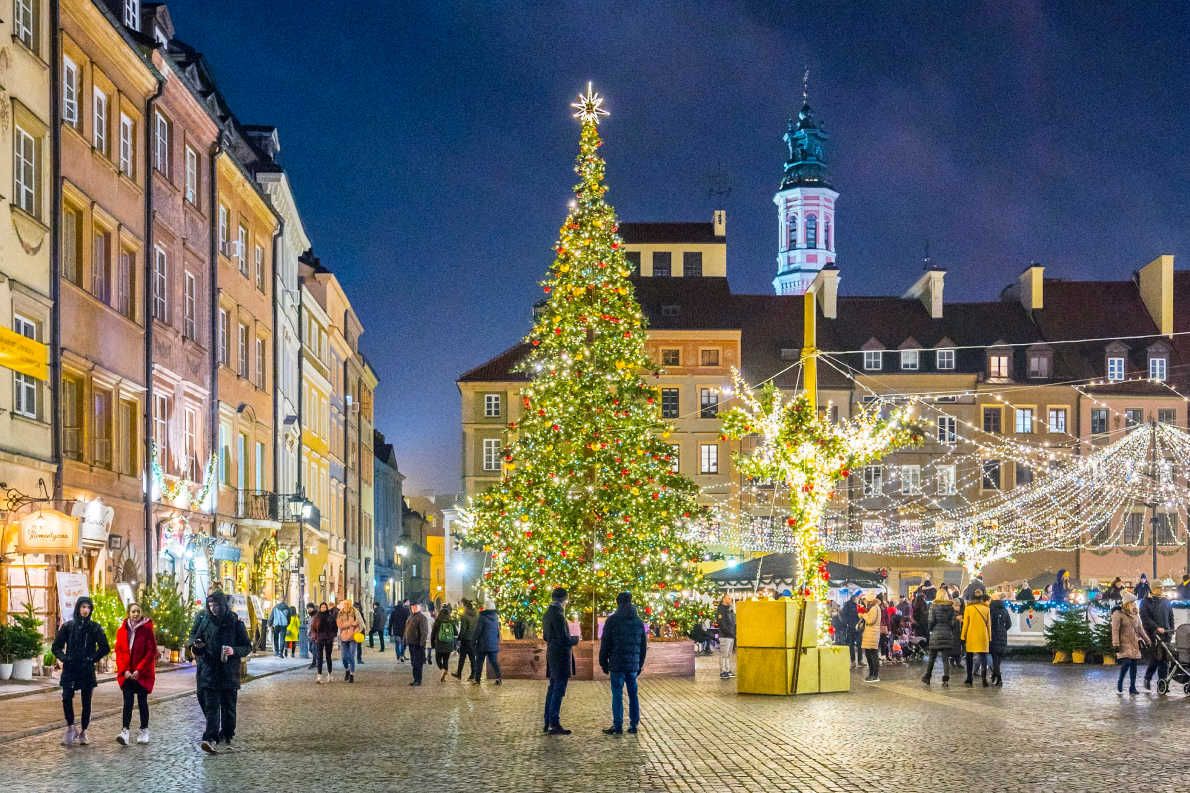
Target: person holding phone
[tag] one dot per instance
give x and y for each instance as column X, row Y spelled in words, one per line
column 559, row 659
column 219, row 640
column 136, row 669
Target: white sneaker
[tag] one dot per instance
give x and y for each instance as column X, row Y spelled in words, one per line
column 142, row 736
column 122, row 738
column 317, row 678
column 83, row 738
column 68, row 736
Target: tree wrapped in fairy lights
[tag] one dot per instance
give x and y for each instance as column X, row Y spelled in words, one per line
column 588, row 499
column 800, row 447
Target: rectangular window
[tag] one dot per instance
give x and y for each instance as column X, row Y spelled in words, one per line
column 70, row 92
column 191, row 176
column 1024, row 419
column 945, row 478
column 101, row 427
column 258, row 253
column 991, row 420
column 99, row 122
column 708, row 357
column 1134, row 417
column 944, row 359
column 242, row 249
column 873, row 480
column 633, row 259
column 101, row 266
column 190, row 444
column 708, row 403
column 708, row 458
column 223, row 230
column 692, row 264
column 909, row 360
column 24, row 22
column 128, row 436
column 242, row 349
column 127, row 145
column 1115, row 369
column 25, row 388
column 260, row 363
column 1057, row 419
column 671, row 357
column 161, row 143
column 160, row 285
column 224, row 340
column 190, row 307
column 910, row 480
column 872, row 360
column 1024, row 475
column 72, row 417
column 1158, row 368
column 1098, row 421
column 675, row 459
column 1134, row 530
column 224, row 454
column 241, row 461
column 260, row 485
column 162, row 410
column 1167, row 528
column 26, row 187
column 1039, row 366
column 669, row 403
column 991, row 474
column 662, row 264
column 132, row 14
column 491, row 454
column 947, row 430
column 491, row 406
column 72, row 244
column 1167, row 415
column 999, row 366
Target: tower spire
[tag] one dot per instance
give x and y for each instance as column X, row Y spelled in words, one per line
column 806, row 87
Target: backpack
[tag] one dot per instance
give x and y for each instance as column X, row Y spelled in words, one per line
column 447, row 632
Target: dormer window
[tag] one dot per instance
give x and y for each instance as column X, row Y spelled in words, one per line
column 1158, row 368
column 670, row 310
column 662, row 264
column 132, row 14
column 1115, row 368
column 909, row 360
column 872, row 360
column 1040, row 365
column 999, row 365
column 944, row 359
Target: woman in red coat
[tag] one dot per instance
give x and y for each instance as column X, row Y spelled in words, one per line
column 136, row 668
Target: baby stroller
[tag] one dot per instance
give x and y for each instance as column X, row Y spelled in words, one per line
column 1177, row 656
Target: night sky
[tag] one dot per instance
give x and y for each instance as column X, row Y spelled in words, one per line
column 430, row 147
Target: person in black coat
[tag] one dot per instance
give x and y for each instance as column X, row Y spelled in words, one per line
column 396, row 628
column 622, row 650
column 998, row 644
column 559, row 660
column 921, row 615
column 942, row 637
column 377, row 625
column 1156, row 617
column 850, row 618
column 79, row 644
column 486, row 643
column 928, row 590
column 218, row 640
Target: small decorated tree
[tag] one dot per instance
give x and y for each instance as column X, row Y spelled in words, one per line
column 170, row 612
column 1069, row 633
column 108, row 612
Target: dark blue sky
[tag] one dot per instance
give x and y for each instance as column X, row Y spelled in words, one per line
column 430, row 147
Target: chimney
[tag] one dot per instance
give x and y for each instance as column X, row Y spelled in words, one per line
column 928, row 289
column 1155, row 281
column 719, row 221
column 1032, row 287
column 826, row 288
column 264, row 138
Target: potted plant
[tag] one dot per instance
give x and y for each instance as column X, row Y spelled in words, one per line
column 48, row 662
column 5, row 656
column 170, row 613
column 1069, row 637
column 108, row 613
column 24, row 643
column 1101, row 642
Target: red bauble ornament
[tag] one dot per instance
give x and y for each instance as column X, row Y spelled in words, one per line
column 536, row 342
column 545, row 289
column 555, row 427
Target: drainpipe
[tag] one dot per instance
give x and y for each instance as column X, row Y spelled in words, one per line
column 213, row 279
column 146, row 480
column 277, row 446
column 301, row 486
column 56, row 246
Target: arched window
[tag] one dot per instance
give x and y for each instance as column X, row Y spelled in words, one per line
column 791, row 230
column 811, row 231
column 826, row 234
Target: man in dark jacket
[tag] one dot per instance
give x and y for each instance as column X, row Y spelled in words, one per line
column 396, row 627
column 559, row 659
column 942, row 637
column 928, row 590
column 976, row 585
column 725, row 616
column 466, row 638
column 377, row 625
column 417, row 631
column 79, row 644
column 1156, row 615
column 622, row 650
column 218, row 640
column 1001, row 622
column 487, row 643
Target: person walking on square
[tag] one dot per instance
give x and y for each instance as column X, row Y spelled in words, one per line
column 559, row 660
column 279, row 622
column 311, row 645
column 1143, row 589
column 349, row 624
column 417, row 633
column 396, row 627
column 136, row 669
column 853, row 634
column 871, row 639
column 79, row 645
column 487, row 643
column 956, row 655
column 977, row 636
column 622, row 650
column 292, row 632
column 942, row 638
column 1127, row 637
column 725, row 616
column 467, row 623
column 377, row 626
column 443, row 636
column 322, row 633
column 998, row 645
column 1156, row 616
column 218, row 640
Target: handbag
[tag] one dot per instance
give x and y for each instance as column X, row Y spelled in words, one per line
column 358, row 638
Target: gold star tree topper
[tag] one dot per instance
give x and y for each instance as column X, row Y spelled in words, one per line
column 589, row 106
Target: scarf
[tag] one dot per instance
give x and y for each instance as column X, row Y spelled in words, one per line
column 132, row 625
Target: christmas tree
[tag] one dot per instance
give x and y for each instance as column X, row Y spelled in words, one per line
column 589, row 499
column 1070, row 632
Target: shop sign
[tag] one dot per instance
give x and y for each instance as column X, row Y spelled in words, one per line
column 71, row 587
column 47, row 531
column 96, row 519
column 24, row 355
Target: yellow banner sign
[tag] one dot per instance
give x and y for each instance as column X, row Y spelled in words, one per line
column 22, row 354
column 47, row 531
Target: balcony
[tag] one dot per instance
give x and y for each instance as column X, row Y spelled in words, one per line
column 262, row 505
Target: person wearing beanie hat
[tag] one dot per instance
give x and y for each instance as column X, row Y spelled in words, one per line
column 487, row 643
column 1127, row 636
column 559, row 660
column 622, row 650
column 80, row 642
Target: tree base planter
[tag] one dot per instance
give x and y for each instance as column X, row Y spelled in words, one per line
column 22, row 669
column 524, row 659
column 1078, row 656
column 5, row 671
column 1109, row 660
column 1061, row 657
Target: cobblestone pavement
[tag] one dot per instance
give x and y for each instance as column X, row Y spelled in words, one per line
column 1048, row 729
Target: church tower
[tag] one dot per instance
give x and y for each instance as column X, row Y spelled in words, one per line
column 805, row 205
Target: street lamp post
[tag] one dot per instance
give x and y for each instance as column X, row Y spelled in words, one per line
column 402, row 551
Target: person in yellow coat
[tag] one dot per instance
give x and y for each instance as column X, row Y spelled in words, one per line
column 977, row 635
column 871, row 639
column 291, row 633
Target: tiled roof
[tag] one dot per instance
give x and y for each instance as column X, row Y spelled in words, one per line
column 639, row 233
column 498, row 368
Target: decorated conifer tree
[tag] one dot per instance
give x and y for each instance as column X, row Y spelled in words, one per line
column 589, row 499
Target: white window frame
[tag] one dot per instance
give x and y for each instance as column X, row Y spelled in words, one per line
column 124, row 271
column 161, row 143
column 70, row 91
column 910, row 360
column 24, row 21
column 191, row 176
column 1158, row 368
column 25, row 388
column 132, row 14
column 1057, row 419
column 675, row 465
column 945, row 480
column 1115, row 368
column 1022, row 420
column 242, row 350
column 242, row 249
column 223, row 343
column 160, row 284
column 491, row 454
column 224, row 230
column 944, row 358
column 491, row 405
column 161, row 411
column 260, row 356
column 708, row 458
column 1000, row 366
column 99, row 121
column 873, row 360
column 24, row 172
column 190, row 441
column 258, row 254
column 259, row 467
column 1039, row 366
column 127, row 145
column 190, row 307
column 873, row 481
column 947, row 430
column 910, row 480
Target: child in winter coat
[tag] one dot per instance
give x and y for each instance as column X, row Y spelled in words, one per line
column 291, row 633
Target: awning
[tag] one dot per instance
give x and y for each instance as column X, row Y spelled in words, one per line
column 777, row 569
column 225, row 552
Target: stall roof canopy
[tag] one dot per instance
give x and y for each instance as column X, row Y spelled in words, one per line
column 777, row 569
